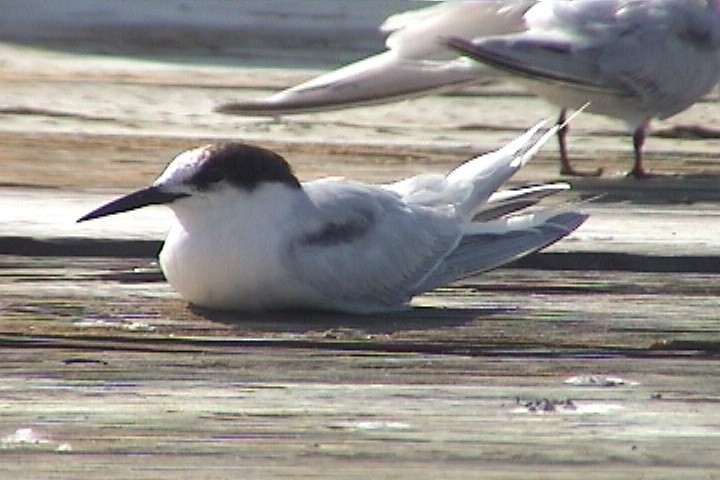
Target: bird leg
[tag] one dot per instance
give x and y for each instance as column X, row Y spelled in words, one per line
column 638, row 170
column 565, row 167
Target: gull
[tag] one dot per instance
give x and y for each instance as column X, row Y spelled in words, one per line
column 633, row 60
column 249, row 236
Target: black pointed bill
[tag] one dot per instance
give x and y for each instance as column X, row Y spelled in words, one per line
column 142, row 198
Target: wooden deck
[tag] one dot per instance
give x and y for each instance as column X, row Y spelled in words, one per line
column 597, row 359
column 107, row 374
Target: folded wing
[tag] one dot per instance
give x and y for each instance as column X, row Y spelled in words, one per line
column 370, row 251
column 497, row 243
column 375, row 247
column 662, row 54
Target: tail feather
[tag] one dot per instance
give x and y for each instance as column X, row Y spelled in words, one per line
column 537, row 192
column 493, row 245
column 509, row 201
column 483, row 175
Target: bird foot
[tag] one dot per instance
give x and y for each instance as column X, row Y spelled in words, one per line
column 572, row 172
column 640, row 174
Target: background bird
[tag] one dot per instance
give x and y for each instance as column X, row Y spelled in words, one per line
column 633, row 60
column 248, row 235
column 415, row 62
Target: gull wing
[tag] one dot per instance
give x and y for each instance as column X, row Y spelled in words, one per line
column 369, row 251
column 414, row 64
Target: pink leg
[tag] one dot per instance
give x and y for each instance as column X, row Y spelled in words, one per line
column 565, row 167
column 638, row 170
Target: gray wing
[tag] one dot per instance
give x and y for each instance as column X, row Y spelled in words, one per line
column 414, row 64
column 664, row 54
column 481, row 252
column 375, row 80
column 369, row 250
column 672, row 56
column 509, row 201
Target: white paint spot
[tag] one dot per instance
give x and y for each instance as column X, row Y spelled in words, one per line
column 598, row 381
column 23, row 436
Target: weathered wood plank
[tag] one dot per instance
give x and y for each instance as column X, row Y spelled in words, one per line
column 106, row 373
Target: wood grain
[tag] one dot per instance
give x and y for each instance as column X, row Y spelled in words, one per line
column 598, row 360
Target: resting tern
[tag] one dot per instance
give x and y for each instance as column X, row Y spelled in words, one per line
column 633, row 60
column 248, row 235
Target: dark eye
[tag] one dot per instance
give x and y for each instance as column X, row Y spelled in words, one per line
column 213, row 175
column 207, row 178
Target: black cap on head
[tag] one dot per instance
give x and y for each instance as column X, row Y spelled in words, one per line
column 242, row 165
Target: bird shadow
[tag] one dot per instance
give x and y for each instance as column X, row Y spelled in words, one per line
column 660, row 188
column 688, row 132
column 303, row 321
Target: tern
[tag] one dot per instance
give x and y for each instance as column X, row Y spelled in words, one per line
column 249, row 236
column 633, row 60
column 415, row 62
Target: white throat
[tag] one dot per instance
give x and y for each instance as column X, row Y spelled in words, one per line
column 227, row 241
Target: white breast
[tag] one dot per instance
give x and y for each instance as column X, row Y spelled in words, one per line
column 222, row 254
